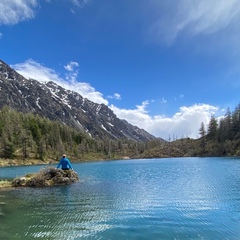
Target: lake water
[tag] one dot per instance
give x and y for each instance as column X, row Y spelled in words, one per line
column 175, row 198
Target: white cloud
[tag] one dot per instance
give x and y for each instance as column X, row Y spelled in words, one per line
column 179, row 97
column 184, row 123
column 75, row 2
column 163, row 100
column 115, row 96
column 80, row 3
column 192, row 18
column 33, row 69
column 70, row 66
column 72, row 69
column 1, row 35
column 15, row 11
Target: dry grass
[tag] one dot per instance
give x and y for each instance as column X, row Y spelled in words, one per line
column 5, row 184
column 20, row 162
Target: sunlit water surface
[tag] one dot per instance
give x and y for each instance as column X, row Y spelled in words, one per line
column 181, row 198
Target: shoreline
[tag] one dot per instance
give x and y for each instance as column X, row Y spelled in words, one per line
column 27, row 162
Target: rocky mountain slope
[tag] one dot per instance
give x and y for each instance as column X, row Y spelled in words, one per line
column 56, row 103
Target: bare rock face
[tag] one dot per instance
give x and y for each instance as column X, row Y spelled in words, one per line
column 46, row 177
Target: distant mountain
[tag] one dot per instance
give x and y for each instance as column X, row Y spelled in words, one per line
column 56, row 103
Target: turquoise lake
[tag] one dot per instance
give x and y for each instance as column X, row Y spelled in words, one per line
column 174, row 198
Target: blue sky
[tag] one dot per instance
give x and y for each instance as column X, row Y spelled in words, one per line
column 164, row 66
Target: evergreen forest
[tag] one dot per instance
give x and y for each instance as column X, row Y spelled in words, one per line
column 29, row 136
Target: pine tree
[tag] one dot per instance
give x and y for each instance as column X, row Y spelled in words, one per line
column 212, row 129
column 202, row 133
column 236, row 123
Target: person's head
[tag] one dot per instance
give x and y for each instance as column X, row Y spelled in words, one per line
column 64, row 155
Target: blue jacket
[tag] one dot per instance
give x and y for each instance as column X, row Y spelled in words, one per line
column 65, row 163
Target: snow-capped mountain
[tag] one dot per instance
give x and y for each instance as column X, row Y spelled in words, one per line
column 56, row 103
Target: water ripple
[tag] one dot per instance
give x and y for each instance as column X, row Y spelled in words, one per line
column 143, row 199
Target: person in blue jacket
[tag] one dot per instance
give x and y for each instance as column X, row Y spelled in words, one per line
column 65, row 162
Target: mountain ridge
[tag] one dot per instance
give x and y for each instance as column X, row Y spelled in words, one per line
column 57, row 103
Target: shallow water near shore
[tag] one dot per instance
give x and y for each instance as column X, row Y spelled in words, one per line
column 175, row 198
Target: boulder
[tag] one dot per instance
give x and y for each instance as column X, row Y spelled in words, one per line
column 46, row 177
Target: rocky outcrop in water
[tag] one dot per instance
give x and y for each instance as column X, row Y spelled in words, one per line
column 46, row 177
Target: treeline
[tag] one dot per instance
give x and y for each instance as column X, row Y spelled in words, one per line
column 31, row 136
column 221, row 137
